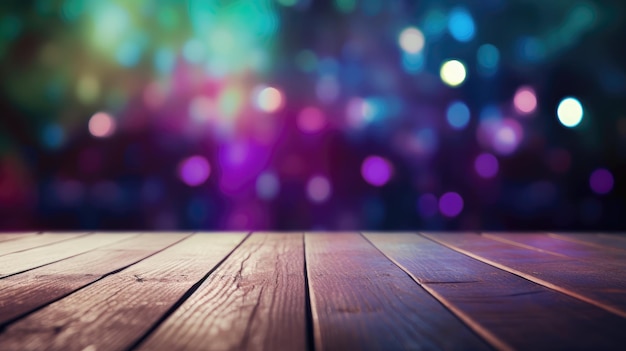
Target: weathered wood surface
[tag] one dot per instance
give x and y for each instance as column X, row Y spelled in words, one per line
column 114, row 312
column 13, row 236
column 32, row 241
column 22, row 293
column 620, row 236
column 592, row 255
column 498, row 304
column 603, row 241
column 318, row 291
column 362, row 301
column 254, row 301
column 601, row 286
column 25, row 260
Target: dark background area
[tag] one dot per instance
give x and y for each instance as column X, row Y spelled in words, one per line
column 305, row 114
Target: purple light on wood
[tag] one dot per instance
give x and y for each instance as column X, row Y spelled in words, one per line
column 601, row 181
column 194, row 170
column 376, row 170
column 451, row 204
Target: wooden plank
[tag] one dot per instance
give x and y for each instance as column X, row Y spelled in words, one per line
column 618, row 236
column 114, row 312
column 34, row 241
column 604, row 287
column 611, row 242
column 507, row 310
column 25, row 292
column 15, row 236
column 591, row 254
column 25, row 260
column 360, row 300
column 255, row 300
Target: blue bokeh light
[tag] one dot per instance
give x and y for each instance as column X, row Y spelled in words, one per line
column 413, row 63
column 488, row 57
column 435, row 23
column 461, row 25
column 458, row 115
column 128, row 54
column 164, row 60
column 53, row 136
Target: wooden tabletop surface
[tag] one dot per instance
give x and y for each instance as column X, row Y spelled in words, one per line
column 313, row 291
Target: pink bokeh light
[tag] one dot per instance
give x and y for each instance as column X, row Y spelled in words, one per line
column 311, row 120
column 318, row 189
column 525, row 100
column 102, row 125
column 503, row 136
column 194, row 170
column 376, row 170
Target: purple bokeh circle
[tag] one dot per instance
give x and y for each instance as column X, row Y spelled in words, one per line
column 601, row 181
column 194, row 170
column 486, row 165
column 376, row 170
column 451, row 204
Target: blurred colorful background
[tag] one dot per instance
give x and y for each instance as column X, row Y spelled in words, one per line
column 310, row 114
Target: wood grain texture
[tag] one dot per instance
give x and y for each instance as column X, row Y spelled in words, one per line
column 361, row 300
column 18, row 262
column 114, row 312
column 602, row 287
column 609, row 242
column 34, row 241
column 592, row 255
column 25, row 292
column 254, row 301
column 498, row 304
column 619, row 236
column 14, row 236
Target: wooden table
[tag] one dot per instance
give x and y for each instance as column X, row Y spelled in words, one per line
column 322, row 291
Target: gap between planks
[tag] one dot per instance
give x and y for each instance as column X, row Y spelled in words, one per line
column 447, row 240
column 30, row 242
column 310, row 298
column 608, row 242
column 362, row 300
column 499, row 302
column 116, row 311
column 484, row 333
column 22, row 261
column 4, row 237
column 253, row 299
column 32, row 290
column 590, row 254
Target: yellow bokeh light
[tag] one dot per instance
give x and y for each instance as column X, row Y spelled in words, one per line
column 453, row 73
column 87, row 89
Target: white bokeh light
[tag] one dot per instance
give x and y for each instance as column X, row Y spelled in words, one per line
column 411, row 40
column 453, row 73
column 570, row 112
column 269, row 99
